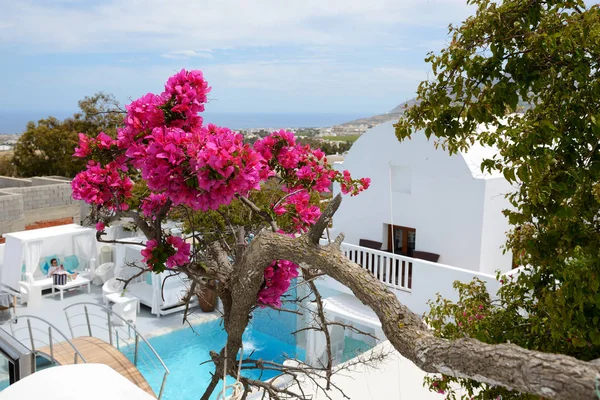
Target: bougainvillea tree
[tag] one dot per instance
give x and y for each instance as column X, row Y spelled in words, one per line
column 187, row 166
column 184, row 162
column 166, row 163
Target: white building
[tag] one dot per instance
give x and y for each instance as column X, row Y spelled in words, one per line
column 437, row 203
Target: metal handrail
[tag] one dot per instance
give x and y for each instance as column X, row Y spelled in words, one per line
column 50, row 327
column 110, row 313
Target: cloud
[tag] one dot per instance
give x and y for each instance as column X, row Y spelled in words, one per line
column 324, row 86
column 187, row 54
column 156, row 25
column 322, row 82
column 259, row 55
column 402, row 74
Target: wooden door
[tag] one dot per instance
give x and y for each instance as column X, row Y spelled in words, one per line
column 401, row 239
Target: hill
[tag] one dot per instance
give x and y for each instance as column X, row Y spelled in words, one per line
column 393, row 115
column 396, row 113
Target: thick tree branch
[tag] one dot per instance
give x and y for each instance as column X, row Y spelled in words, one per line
column 315, row 233
column 543, row 374
column 548, row 375
column 99, row 235
column 140, row 222
column 217, row 262
column 264, row 215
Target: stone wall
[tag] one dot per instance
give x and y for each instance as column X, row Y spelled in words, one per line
column 48, row 180
column 8, row 182
column 46, row 199
column 46, row 196
column 12, row 215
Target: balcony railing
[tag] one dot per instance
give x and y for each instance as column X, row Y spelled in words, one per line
column 415, row 281
column 392, row 269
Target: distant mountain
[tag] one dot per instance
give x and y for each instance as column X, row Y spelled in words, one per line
column 396, row 113
column 399, row 109
column 393, row 115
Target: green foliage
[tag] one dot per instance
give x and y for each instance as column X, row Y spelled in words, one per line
column 343, row 138
column 46, row 148
column 562, row 319
column 7, row 167
column 307, row 132
column 528, row 69
column 328, row 147
column 224, row 223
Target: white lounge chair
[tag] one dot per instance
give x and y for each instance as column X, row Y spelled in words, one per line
column 42, row 282
column 105, row 271
column 126, row 310
column 25, row 292
column 113, row 285
column 31, row 294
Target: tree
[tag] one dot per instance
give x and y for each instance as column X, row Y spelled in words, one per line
column 7, row 168
column 177, row 166
column 544, row 55
column 328, row 147
column 46, row 148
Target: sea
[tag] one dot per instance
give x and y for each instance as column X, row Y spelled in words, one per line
column 15, row 121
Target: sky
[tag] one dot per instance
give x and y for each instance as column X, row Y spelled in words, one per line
column 259, row 56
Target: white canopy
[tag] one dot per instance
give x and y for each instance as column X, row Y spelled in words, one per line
column 75, row 382
column 28, row 247
column 126, row 253
column 127, row 257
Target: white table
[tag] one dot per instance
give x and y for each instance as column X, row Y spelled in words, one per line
column 118, row 298
column 75, row 283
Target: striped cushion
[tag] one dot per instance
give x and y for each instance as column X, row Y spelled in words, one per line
column 60, row 279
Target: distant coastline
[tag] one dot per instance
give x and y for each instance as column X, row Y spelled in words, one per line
column 15, row 122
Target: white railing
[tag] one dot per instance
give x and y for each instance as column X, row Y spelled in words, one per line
column 392, row 269
column 95, row 320
column 415, row 281
column 43, row 338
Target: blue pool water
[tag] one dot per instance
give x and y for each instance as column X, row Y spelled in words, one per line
column 184, row 350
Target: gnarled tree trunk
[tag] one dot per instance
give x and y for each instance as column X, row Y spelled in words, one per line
column 548, row 375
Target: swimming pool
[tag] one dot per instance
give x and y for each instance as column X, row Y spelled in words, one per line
column 185, row 349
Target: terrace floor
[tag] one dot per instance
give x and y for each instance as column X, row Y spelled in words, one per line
column 394, row 378
column 51, row 309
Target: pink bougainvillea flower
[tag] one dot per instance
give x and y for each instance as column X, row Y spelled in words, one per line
column 182, row 252
column 278, row 276
column 184, row 162
column 103, row 141
column 147, row 252
column 103, row 186
column 84, row 148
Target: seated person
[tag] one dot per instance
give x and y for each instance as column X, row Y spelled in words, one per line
column 56, row 269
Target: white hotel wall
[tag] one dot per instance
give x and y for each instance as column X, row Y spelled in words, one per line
column 2, row 248
column 495, row 227
column 445, row 206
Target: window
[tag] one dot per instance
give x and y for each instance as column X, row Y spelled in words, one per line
column 401, row 179
column 401, row 239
